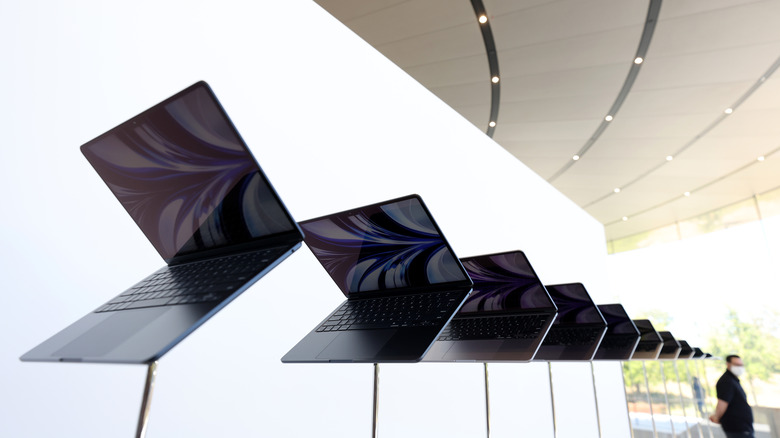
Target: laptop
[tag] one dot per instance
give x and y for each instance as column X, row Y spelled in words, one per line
column 577, row 330
column 622, row 335
column 402, row 280
column 671, row 348
column 650, row 343
column 698, row 354
column 686, row 351
column 505, row 318
column 188, row 180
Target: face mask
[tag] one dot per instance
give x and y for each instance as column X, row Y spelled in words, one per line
column 737, row 370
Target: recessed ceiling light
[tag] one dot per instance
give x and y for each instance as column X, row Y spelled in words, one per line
column 638, row 60
column 575, row 158
column 761, row 158
column 616, row 190
column 492, row 124
column 728, row 110
column 495, row 79
column 483, row 19
column 625, row 218
column 669, row 158
column 608, row 118
column 687, row 193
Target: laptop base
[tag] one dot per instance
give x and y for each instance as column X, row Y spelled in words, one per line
column 146, row 401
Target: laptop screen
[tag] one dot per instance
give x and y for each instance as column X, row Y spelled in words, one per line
column 185, row 176
column 382, row 247
column 618, row 322
column 647, row 330
column 504, row 282
column 574, row 304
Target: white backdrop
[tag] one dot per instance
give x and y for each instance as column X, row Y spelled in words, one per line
column 334, row 125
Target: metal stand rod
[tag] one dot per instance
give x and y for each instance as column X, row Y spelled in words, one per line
column 649, row 399
column 146, row 401
column 487, row 400
column 596, row 399
column 374, row 429
column 706, row 394
column 696, row 404
column 682, row 403
column 709, row 426
column 552, row 401
column 666, row 397
column 625, row 393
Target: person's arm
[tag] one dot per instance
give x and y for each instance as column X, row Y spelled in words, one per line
column 719, row 411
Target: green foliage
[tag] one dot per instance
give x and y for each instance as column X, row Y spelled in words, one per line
column 756, row 342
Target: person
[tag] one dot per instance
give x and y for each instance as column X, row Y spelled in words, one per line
column 698, row 394
column 733, row 412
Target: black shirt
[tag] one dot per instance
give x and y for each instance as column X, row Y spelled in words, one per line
column 738, row 416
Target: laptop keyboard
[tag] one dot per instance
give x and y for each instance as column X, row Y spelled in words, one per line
column 572, row 336
column 418, row 310
column 499, row 327
column 197, row 282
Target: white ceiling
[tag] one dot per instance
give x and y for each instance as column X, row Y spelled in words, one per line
column 562, row 64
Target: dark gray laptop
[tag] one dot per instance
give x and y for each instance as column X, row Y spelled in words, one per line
column 650, row 343
column 671, row 348
column 402, row 281
column 188, row 180
column 622, row 336
column 578, row 328
column 686, row 351
column 698, row 354
column 505, row 318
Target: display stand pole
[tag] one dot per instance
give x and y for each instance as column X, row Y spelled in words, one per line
column 666, row 397
column 682, row 402
column 706, row 395
column 374, row 429
column 649, row 399
column 596, row 399
column 625, row 393
column 146, row 401
column 487, row 400
column 706, row 392
column 695, row 407
column 552, row 401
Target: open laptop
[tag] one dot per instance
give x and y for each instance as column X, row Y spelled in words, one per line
column 402, row 281
column 698, row 354
column 578, row 328
column 622, row 335
column 650, row 343
column 686, row 351
column 188, row 180
column 671, row 348
column 504, row 319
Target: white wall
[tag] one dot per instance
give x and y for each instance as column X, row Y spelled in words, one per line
column 334, row 125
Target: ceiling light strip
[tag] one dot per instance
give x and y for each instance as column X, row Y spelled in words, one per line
column 701, row 134
column 644, row 44
column 704, row 186
column 492, row 56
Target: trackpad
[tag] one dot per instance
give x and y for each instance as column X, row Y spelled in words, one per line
column 473, row 350
column 358, row 345
column 109, row 333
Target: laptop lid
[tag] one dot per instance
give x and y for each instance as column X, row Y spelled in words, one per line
column 671, row 348
column 575, row 307
column 504, row 283
column 388, row 248
column 188, row 180
column 686, row 351
column 697, row 353
column 618, row 321
column 650, row 342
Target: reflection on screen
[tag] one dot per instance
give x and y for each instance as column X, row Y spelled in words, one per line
column 186, row 178
column 574, row 304
column 382, row 247
column 618, row 322
column 504, row 282
column 646, row 330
